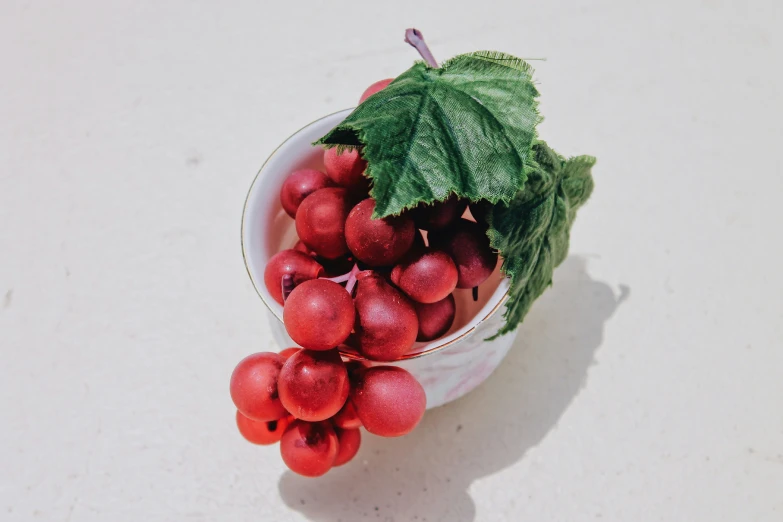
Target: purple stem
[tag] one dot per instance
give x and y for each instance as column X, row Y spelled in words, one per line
column 287, row 285
column 340, row 278
column 344, row 277
column 416, row 39
column 352, row 279
column 348, row 277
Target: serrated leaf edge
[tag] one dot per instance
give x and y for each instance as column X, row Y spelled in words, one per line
column 583, row 161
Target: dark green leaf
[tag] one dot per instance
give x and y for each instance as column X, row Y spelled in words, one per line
column 469, row 128
column 464, row 128
column 532, row 232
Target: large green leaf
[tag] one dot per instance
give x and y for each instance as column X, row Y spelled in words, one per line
column 532, row 231
column 468, row 128
column 464, row 128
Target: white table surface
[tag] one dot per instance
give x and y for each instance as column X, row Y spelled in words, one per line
column 646, row 385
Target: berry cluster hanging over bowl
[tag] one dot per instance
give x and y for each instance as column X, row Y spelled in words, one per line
column 436, row 176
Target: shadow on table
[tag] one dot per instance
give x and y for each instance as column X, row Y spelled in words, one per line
column 425, row 475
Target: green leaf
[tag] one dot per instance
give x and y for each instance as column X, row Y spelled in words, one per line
column 532, row 232
column 464, row 128
column 468, row 128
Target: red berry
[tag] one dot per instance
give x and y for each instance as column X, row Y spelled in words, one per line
column 262, row 432
column 320, row 221
column 468, row 245
column 309, row 448
column 438, row 215
column 386, row 323
column 346, row 418
column 435, row 319
column 346, row 169
column 389, row 401
column 314, row 385
column 299, row 185
column 254, row 386
column 300, row 266
column 288, row 352
column 348, row 442
column 375, row 87
column 377, row 242
column 426, row 276
column 319, row 314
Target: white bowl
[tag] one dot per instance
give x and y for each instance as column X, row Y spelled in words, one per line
column 448, row 367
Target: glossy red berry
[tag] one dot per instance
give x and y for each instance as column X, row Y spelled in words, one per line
column 435, row 319
column 346, row 168
column 319, row 314
column 313, row 386
column 309, row 448
column 299, row 185
column 254, row 386
column 386, row 323
column 468, row 245
column 389, row 401
column 300, row 266
column 377, row 242
column 426, row 276
column 320, row 221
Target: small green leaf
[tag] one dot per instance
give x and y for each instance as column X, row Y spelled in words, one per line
column 464, row 128
column 532, row 232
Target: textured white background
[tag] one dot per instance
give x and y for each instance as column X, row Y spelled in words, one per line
column 646, row 385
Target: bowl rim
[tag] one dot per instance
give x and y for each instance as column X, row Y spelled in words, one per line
column 474, row 323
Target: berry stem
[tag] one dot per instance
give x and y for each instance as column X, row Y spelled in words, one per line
column 340, row 278
column 475, row 293
column 352, row 279
column 349, row 278
column 416, row 39
column 286, row 285
column 344, row 277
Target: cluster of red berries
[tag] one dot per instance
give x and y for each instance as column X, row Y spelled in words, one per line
column 314, row 404
column 398, row 290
